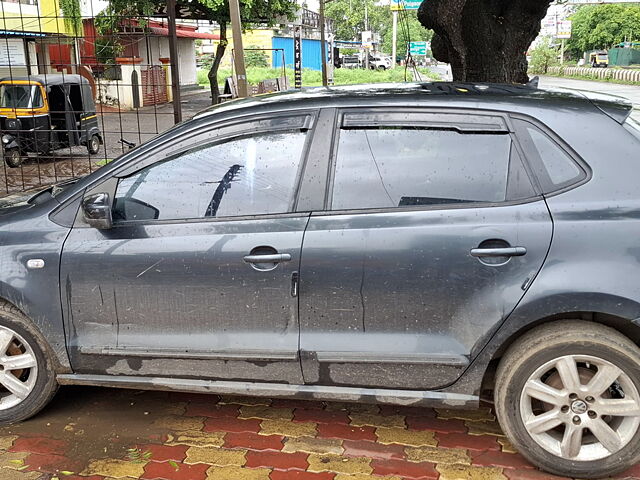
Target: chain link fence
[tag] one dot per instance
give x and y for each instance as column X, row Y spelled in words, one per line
column 80, row 84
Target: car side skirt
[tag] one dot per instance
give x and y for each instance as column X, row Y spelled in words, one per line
column 305, row 392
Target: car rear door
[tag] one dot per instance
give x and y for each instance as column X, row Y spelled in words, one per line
column 430, row 234
column 199, row 264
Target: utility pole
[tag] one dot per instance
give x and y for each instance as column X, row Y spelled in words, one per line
column 238, row 49
column 323, row 46
column 173, row 56
column 394, row 48
column 366, row 27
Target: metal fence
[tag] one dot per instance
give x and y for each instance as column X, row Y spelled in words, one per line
column 81, row 83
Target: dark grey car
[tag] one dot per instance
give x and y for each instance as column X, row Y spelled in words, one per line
column 409, row 244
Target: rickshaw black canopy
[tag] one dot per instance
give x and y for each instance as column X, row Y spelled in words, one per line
column 48, row 80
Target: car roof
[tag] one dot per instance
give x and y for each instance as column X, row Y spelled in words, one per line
column 617, row 108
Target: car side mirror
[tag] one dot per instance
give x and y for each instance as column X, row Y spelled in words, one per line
column 97, row 211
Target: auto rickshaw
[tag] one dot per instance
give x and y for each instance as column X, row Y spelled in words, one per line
column 599, row 59
column 42, row 113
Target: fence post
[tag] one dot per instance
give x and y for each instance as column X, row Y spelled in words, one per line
column 173, row 55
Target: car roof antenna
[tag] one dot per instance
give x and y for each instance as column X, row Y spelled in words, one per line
column 534, row 82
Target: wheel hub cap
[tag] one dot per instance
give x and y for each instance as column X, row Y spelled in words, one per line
column 579, row 407
column 18, row 369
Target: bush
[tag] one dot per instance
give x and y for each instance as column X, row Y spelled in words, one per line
column 313, row 78
column 543, row 57
column 255, row 58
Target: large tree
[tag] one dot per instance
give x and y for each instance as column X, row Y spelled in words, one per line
column 484, row 40
column 598, row 27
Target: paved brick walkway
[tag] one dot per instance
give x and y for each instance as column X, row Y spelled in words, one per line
column 100, row 434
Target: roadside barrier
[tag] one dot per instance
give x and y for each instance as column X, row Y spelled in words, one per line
column 623, row 75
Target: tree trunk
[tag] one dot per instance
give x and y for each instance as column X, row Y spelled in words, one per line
column 484, row 40
column 213, row 71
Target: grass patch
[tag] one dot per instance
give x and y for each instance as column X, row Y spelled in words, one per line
column 313, row 78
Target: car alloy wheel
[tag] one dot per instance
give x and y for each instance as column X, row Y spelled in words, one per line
column 580, row 407
column 18, row 368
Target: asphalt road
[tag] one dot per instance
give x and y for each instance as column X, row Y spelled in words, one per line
column 630, row 92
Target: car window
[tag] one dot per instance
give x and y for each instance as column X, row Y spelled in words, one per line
column 553, row 166
column 396, row 167
column 251, row 175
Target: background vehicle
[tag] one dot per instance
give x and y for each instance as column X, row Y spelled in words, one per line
column 378, row 61
column 402, row 244
column 45, row 113
column 599, row 59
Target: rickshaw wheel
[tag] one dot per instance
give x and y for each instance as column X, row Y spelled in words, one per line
column 12, row 157
column 93, row 145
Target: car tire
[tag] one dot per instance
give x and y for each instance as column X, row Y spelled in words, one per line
column 34, row 384
column 566, row 356
column 93, row 144
column 12, row 157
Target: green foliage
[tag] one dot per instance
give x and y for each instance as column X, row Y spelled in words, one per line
column 263, row 12
column 349, row 20
column 107, row 49
column 597, row 27
column 409, row 30
column 72, row 16
column 255, row 58
column 543, row 56
column 313, row 78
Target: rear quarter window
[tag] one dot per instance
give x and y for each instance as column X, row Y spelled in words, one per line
column 552, row 165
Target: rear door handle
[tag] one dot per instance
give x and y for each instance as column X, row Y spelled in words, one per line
column 498, row 252
column 270, row 258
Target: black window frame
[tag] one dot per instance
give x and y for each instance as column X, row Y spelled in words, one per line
column 462, row 120
column 216, row 132
column 536, row 164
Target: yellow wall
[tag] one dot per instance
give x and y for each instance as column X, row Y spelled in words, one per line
column 45, row 18
column 251, row 38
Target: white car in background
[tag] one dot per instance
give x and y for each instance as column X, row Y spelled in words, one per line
column 378, row 61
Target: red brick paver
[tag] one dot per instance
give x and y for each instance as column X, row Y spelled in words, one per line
column 99, row 434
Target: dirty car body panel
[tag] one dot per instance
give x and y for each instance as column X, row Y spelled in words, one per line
column 389, row 303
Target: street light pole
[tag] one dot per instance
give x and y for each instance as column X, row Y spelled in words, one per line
column 323, row 46
column 394, row 48
column 366, row 27
column 238, row 49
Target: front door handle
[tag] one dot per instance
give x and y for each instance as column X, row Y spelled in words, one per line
column 269, row 258
column 498, row 252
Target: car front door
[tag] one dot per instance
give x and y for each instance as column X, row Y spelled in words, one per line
column 432, row 232
column 199, row 263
